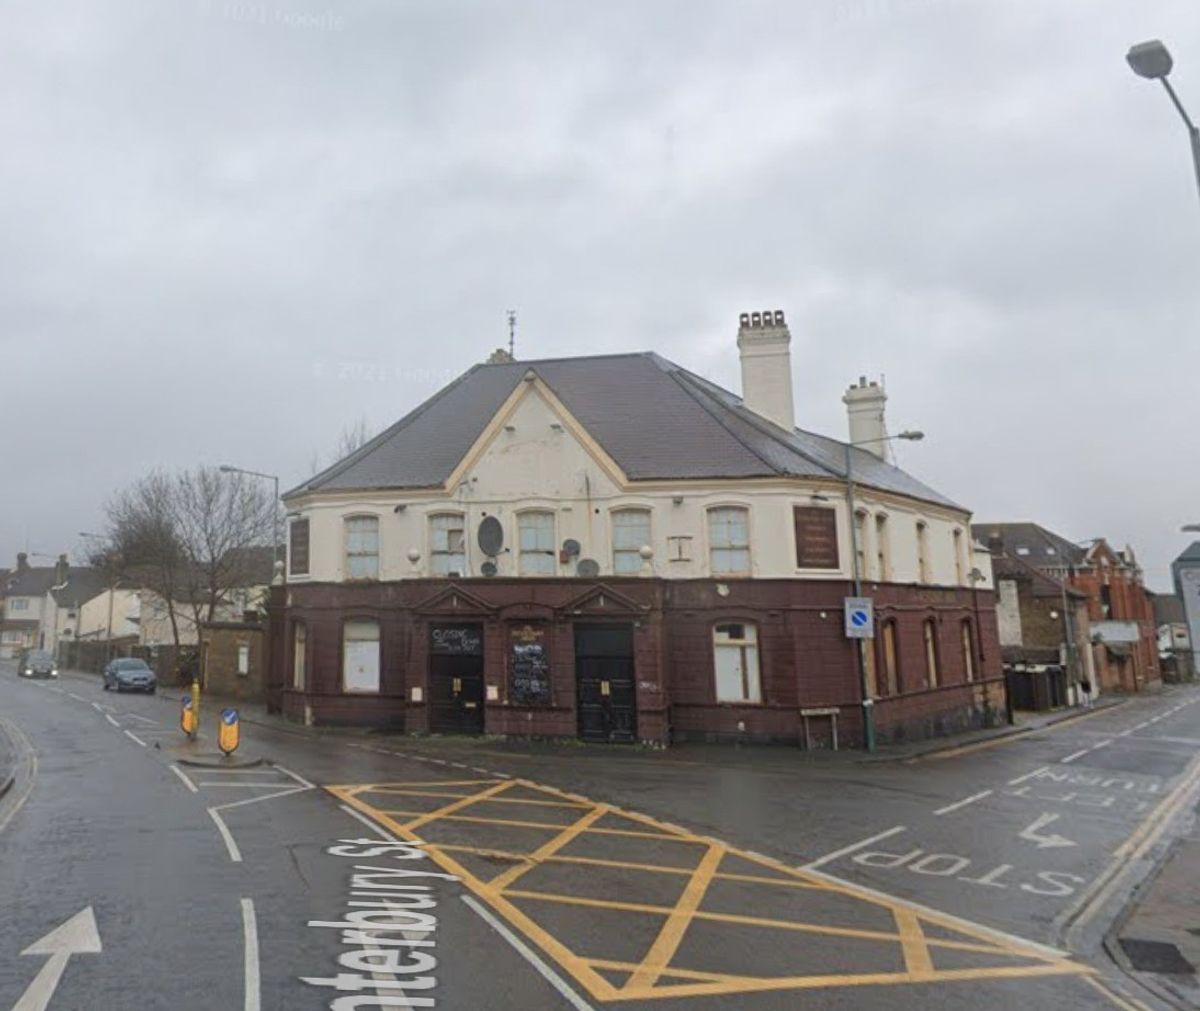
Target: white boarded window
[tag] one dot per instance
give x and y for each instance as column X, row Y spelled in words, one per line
column 735, row 662
column 729, row 540
column 883, row 562
column 299, row 654
column 360, row 656
column 535, row 534
column 362, row 547
column 922, row 552
column 631, row 531
column 447, row 544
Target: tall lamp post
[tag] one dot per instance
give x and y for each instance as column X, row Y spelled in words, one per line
column 868, row 704
column 227, row 469
column 1152, row 61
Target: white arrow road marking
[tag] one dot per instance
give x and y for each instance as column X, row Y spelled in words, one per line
column 78, row 936
column 1044, row 841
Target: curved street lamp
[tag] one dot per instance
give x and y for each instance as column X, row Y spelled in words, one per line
column 1152, row 61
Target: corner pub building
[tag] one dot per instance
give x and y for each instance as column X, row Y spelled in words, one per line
column 613, row 548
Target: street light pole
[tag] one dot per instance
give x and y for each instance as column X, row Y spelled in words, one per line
column 1152, row 61
column 274, row 479
column 868, row 704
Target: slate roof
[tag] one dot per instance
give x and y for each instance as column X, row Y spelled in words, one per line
column 1030, row 542
column 1191, row 553
column 1006, row 566
column 1168, row 609
column 83, row 583
column 34, row 581
column 655, row 419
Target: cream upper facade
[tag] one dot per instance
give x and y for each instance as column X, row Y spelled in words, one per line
column 560, row 496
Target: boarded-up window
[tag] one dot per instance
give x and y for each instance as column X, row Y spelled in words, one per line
column 735, row 663
column 816, row 537
column 299, row 655
column 891, row 659
column 360, row 656
column 298, row 548
column 968, row 650
column 931, row 653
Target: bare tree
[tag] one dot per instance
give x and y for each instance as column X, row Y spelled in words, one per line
column 220, row 518
column 353, row 437
column 144, row 544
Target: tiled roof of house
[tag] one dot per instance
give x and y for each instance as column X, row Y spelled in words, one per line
column 1191, row 553
column 34, row 581
column 654, row 418
column 1030, row 542
column 83, row 583
column 1168, row 609
column 1006, row 566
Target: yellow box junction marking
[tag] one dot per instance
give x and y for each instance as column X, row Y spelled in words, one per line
column 655, row 975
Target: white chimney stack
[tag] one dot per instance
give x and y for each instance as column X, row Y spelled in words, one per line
column 865, row 406
column 764, row 345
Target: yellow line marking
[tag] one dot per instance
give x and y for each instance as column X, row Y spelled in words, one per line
column 1117, row 999
column 424, row 818
column 490, row 800
column 912, row 943
column 477, row 820
column 654, row 972
column 503, row 880
column 671, row 935
column 389, row 787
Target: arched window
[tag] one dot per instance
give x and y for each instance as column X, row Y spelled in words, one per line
column 931, row 653
column 360, row 656
column 299, row 655
column 883, row 558
column 535, row 535
column 860, row 535
column 729, row 541
column 447, row 544
column 922, row 552
column 959, row 568
column 630, row 532
column 891, row 658
column 968, row 650
column 735, row 662
column 362, row 547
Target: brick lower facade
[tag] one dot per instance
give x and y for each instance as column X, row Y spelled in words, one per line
column 805, row 661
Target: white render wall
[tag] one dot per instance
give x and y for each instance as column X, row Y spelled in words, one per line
column 537, row 466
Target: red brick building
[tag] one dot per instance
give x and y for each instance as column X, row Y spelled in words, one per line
column 614, row 548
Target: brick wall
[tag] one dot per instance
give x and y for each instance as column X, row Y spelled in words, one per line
column 220, row 646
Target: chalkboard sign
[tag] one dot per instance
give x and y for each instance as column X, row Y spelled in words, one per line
column 457, row 640
column 816, row 538
column 529, row 666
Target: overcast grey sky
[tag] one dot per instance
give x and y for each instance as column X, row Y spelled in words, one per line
column 223, row 240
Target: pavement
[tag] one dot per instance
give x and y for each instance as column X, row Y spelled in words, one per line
column 370, row 870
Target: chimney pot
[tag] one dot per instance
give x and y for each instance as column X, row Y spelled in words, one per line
column 764, row 346
column 22, row 561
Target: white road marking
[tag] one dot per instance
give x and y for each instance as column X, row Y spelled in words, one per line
column 78, row 936
column 260, row 785
column 1028, row 775
column 1029, row 833
column 548, row 974
column 250, row 936
column 256, row 771
column 77, row 698
column 111, row 720
column 134, row 737
column 1074, row 755
column 24, row 750
column 183, row 775
column 1101, row 744
column 963, row 803
column 144, row 719
column 234, row 853
column 97, row 707
column 367, row 821
column 853, row 847
column 1142, row 725
column 299, row 779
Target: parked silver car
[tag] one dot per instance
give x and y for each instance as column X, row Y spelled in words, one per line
column 129, row 674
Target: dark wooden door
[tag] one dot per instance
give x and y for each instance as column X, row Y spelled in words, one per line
column 604, row 679
column 456, row 679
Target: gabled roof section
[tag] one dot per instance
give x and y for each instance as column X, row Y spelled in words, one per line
column 83, row 583
column 1007, row 566
column 1191, row 553
column 34, row 581
column 657, row 421
column 1030, row 543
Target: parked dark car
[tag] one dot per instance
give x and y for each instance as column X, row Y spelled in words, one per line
column 36, row 663
column 129, row 674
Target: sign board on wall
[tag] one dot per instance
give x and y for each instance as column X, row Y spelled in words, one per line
column 528, row 666
column 816, row 537
column 860, row 618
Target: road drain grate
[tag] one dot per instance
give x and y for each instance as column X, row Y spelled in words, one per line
column 1156, row 956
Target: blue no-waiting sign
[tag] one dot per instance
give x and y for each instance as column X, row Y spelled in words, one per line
column 860, row 618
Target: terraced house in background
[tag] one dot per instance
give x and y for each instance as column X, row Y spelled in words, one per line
column 615, row 548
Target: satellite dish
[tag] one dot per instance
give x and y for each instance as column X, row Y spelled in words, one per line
column 488, row 568
column 491, row 536
column 571, row 548
column 588, row 568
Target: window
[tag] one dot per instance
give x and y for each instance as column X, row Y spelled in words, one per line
column 868, row 662
column 18, row 603
column 362, row 547
column 883, row 560
column 536, row 537
column 299, row 655
column 631, row 530
column 891, row 662
column 968, row 650
column 298, row 547
column 860, row 535
column 360, row 656
column 958, row 558
column 1106, row 601
column 243, row 659
column 679, row 549
column 931, row 653
column 447, row 544
column 729, row 540
column 922, row 552
column 735, row 662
